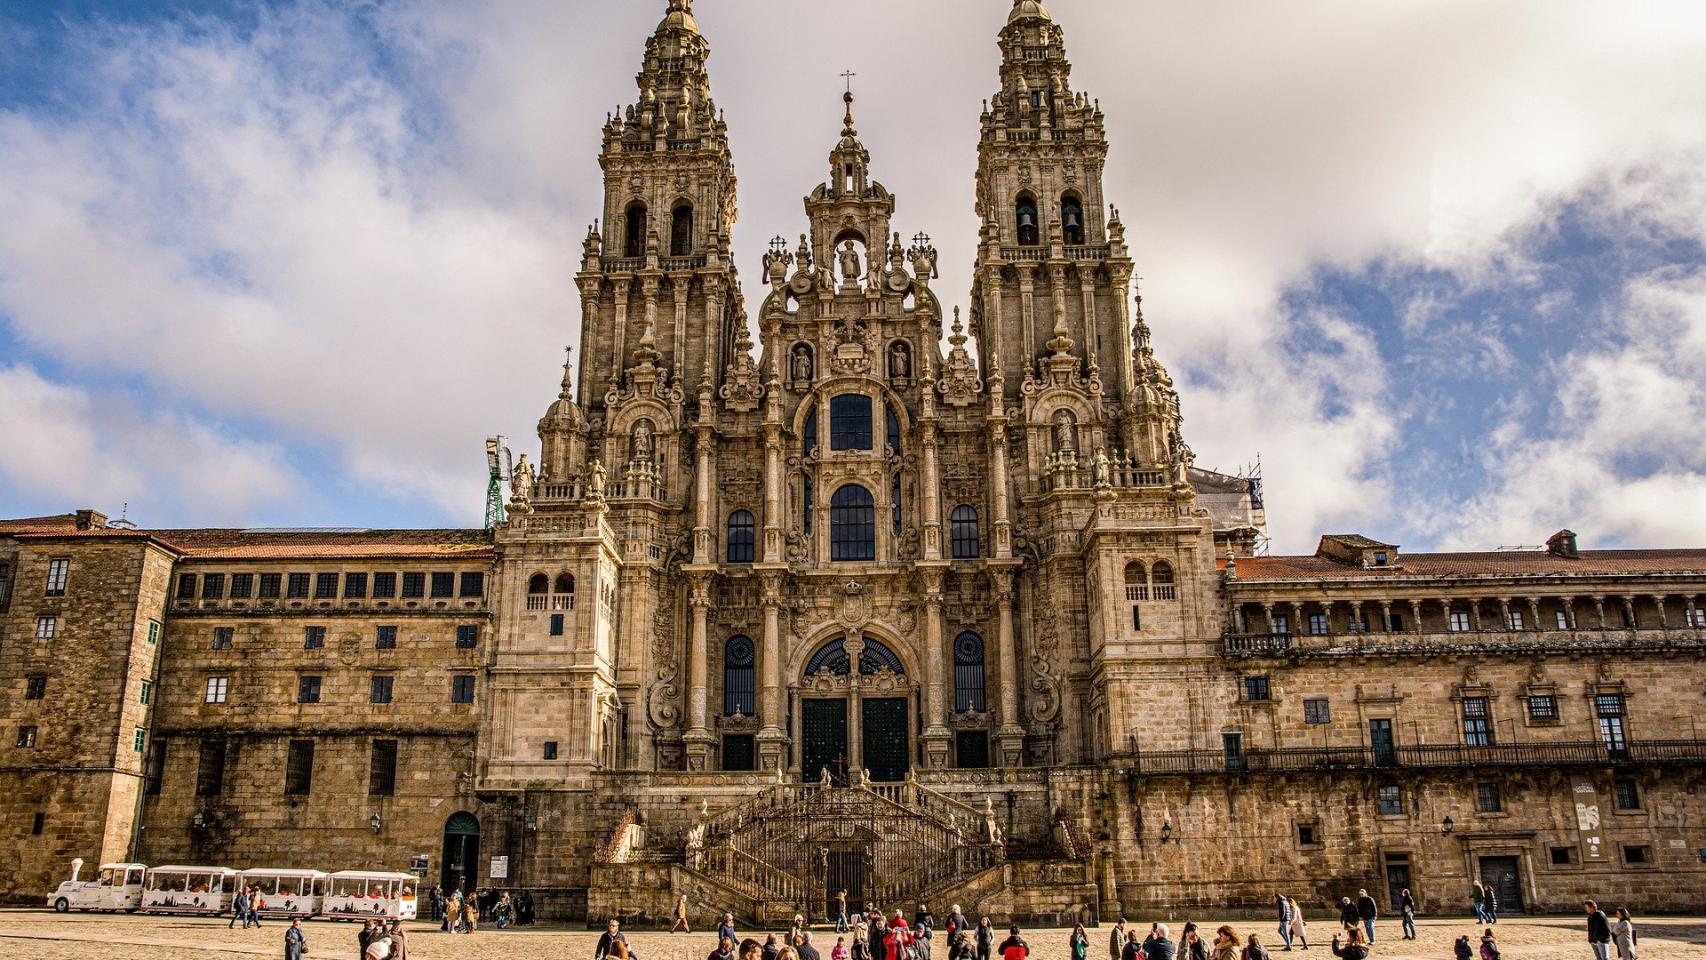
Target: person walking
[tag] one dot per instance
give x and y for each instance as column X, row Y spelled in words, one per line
column 470, row 916
column 985, row 938
column 1116, row 940
column 1348, row 914
column 861, row 934
column 1014, row 947
column 524, row 909
column 1157, row 946
column 1489, row 945
column 1491, row 905
column 1478, row 898
column 1299, row 928
column 1599, row 930
column 256, row 903
column 841, row 912
column 1079, row 943
column 1282, row 906
column 726, row 931
column 1624, row 935
column 1354, row 948
column 1461, row 950
column 240, row 908
column 1367, row 910
column 1407, row 908
column 1226, row 944
column 295, row 941
column 680, row 920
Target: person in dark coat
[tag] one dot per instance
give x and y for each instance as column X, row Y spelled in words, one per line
column 607, row 943
column 772, row 947
column 1348, row 914
column 727, row 930
column 1367, row 910
column 1157, row 946
column 878, row 937
column 805, row 949
column 985, row 939
column 1354, row 948
column 295, row 942
column 1599, row 930
column 1407, row 907
column 725, row 950
column 364, row 937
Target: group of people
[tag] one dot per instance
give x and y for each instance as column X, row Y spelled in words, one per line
column 246, row 906
column 459, row 913
column 383, row 940
column 1127, row 942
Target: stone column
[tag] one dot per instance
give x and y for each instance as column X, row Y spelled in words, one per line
column 1570, row 612
column 1475, row 615
column 1599, row 610
column 1660, row 603
column 1505, row 613
column 772, row 739
column 930, row 487
column 1534, row 613
column 1629, row 612
column 998, row 481
column 1416, row 615
column 936, row 734
column 1297, row 629
column 1385, row 616
column 1010, row 736
column 1688, row 616
column 702, row 493
column 855, row 644
column 698, row 739
column 1268, row 617
column 772, row 493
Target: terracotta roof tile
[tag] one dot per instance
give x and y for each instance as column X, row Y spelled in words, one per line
column 236, row 544
column 1529, row 563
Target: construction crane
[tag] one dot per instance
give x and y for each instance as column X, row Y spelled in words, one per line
column 498, row 470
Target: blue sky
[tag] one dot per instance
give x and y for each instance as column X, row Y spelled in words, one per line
column 1438, row 265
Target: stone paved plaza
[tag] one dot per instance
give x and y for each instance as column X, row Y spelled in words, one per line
column 40, row 935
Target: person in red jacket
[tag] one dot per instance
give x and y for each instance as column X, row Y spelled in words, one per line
column 1014, row 947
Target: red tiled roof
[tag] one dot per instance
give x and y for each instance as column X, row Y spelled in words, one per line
column 1514, row 563
column 235, row 544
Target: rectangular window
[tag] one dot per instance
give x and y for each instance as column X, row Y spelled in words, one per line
column 1563, row 856
column 1279, row 624
column 443, row 584
column 1637, row 854
column 296, row 587
column 971, row 749
column 739, row 752
column 850, row 422
column 26, row 737
column 414, row 585
column 242, row 584
column 222, row 637
column 210, row 769
column 269, row 585
column 1609, row 706
column 154, row 768
column 550, row 750
column 556, row 624
column 382, row 769
column 1136, row 618
column 213, row 586
column 1488, row 798
column 1627, row 793
column 1391, row 799
column 186, row 586
column 1457, row 621
column 1256, row 688
column 47, row 628
column 382, row 689
column 325, row 586
column 218, row 688
column 313, row 638
column 1317, row 710
column 137, row 740
column 1306, row 835
column 299, row 768
column 1563, row 620
column 473, row 583
column 1397, row 622
column 462, row 688
column 308, row 689
column 1542, row 707
column 1477, row 723
column 467, row 636
column 1317, row 624
column 355, row 586
column 384, row 586
column 147, row 692
column 5, row 585
column 153, row 631
column 58, row 571
column 386, row 638
column 1694, row 618
column 35, row 688
column 1513, row 619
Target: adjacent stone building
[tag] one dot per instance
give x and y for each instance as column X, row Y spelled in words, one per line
column 848, row 607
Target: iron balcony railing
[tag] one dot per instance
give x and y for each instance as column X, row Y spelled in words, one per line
column 1415, row 757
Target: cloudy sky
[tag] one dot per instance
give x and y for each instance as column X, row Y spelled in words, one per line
column 1440, row 265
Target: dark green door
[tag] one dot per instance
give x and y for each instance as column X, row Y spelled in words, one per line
column 885, row 738
column 1380, row 741
column 824, row 727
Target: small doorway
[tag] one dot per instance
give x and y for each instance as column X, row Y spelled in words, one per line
column 460, row 868
column 1504, row 876
column 823, row 726
column 843, row 870
column 885, row 739
column 1397, row 879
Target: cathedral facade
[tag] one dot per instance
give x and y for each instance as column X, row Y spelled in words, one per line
column 850, row 607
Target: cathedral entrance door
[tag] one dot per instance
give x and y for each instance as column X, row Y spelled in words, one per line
column 823, row 727
column 461, row 861
column 843, row 870
column 885, row 740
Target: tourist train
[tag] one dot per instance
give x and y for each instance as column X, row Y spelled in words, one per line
column 209, row 891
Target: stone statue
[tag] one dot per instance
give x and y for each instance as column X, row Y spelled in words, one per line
column 900, row 361
column 640, row 448
column 850, row 271
column 521, row 481
column 595, row 486
column 1063, row 442
column 826, row 780
column 1099, row 467
column 804, row 256
column 802, row 366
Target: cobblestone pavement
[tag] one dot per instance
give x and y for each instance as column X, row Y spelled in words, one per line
column 42, row 935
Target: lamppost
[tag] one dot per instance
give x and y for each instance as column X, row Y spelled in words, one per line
column 375, row 822
column 1447, row 826
column 1167, row 830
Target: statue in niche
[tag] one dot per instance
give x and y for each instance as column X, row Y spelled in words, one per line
column 900, row 361
column 850, row 271
column 640, row 445
column 1063, row 442
column 802, row 363
column 521, row 481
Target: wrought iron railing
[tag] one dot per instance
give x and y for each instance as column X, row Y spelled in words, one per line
column 1415, row 757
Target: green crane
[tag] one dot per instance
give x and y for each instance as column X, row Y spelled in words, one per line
column 497, row 470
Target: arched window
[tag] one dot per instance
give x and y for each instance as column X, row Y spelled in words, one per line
column 681, row 230
column 1163, row 572
column 737, row 677
column 565, row 584
column 894, row 502
column 852, row 524
column 634, row 230
column 1161, row 581
column 1025, row 215
column 832, row 658
column 850, row 422
column 740, row 536
column 809, row 440
column 892, row 423
column 1136, row 581
column 968, row 673
column 538, row 583
column 962, row 532
column 807, row 502
column 1071, row 219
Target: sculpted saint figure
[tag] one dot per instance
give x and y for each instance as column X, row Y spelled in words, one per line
column 849, row 263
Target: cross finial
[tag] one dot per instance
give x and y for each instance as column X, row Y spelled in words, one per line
column 848, row 75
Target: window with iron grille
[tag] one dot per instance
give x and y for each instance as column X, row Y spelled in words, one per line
column 355, row 586
column 1477, row 722
column 313, row 638
column 444, row 583
column 1609, row 704
column 1390, row 799
column 386, row 638
column 213, row 586
column 1488, row 797
column 1542, row 706
column 384, row 585
column 296, row 586
column 852, row 524
column 154, row 768
column 242, row 585
column 963, row 532
column 968, row 673
column 850, row 422
column 738, row 660
column 462, row 688
column 58, row 571
column 186, row 586
column 1256, row 688
column 741, row 538
column 210, row 769
column 381, row 689
column 35, row 688
column 382, row 769
column 414, row 585
column 325, row 586
column 270, row 583
column 223, row 636
column 299, row 768
column 467, row 636
column 1627, row 793
column 218, row 688
column 1318, row 710
column 473, row 583
column 308, row 689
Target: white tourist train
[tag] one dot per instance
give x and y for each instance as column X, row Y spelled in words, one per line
column 209, row 891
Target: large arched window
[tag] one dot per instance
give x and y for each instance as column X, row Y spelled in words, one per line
column 962, row 532
column 740, row 536
column 1072, row 219
column 850, row 422
column 563, row 592
column 1136, row 581
column 852, row 524
column 538, row 583
column 634, row 230
column 1025, row 216
column 737, row 677
column 681, row 230
column 1161, row 581
column 968, row 673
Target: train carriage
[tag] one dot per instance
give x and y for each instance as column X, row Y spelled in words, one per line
column 189, row 890
column 360, row 894
column 288, row 893
column 116, row 886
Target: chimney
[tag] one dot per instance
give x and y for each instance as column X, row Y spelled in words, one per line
column 1563, row 544
column 91, row 520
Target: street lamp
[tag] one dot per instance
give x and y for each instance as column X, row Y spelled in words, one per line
column 198, row 820
column 1448, row 826
column 375, row 822
column 1167, row 831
